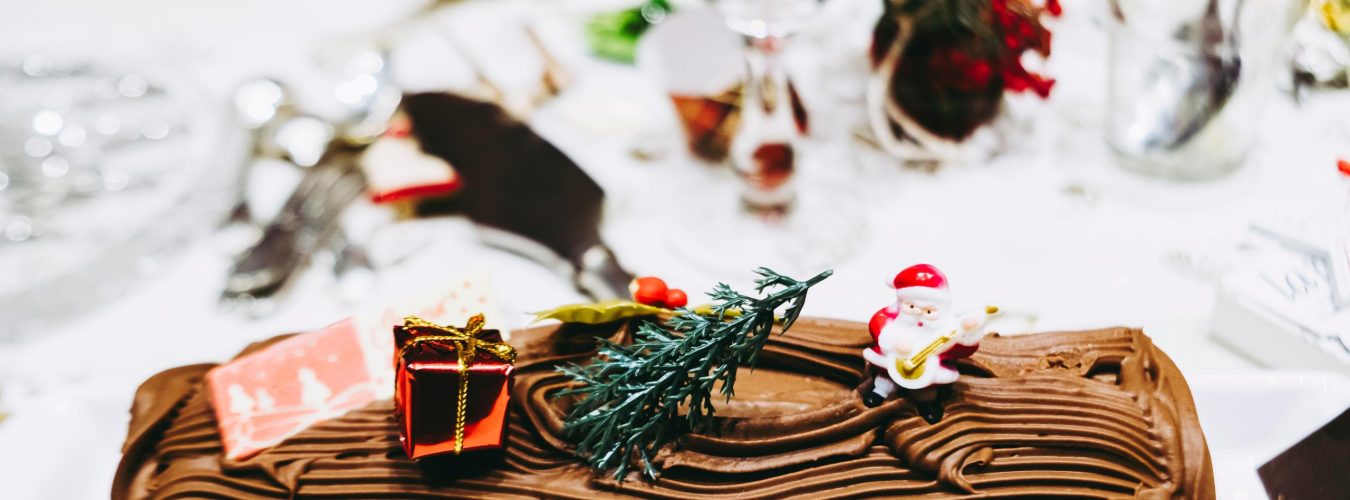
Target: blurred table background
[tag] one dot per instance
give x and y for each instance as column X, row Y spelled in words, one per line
column 1051, row 229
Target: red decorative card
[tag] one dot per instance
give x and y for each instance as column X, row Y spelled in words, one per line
column 267, row 396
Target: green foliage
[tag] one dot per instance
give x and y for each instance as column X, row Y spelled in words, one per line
column 630, row 396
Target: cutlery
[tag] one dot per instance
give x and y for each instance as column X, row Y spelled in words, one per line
column 309, row 219
column 353, row 268
column 305, row 223
column 259, row 105
column 1187, row 92
column 1216, row 77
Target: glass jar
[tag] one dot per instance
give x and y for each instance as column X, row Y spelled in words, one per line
column 1187, row 80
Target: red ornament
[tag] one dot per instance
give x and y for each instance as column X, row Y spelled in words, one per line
column 649, row 290
column 676, row 298
column 979, row 73
column 452, row 388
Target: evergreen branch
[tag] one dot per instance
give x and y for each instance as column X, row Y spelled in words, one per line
column 629, row 398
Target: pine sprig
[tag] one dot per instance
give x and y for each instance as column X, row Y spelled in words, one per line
column 630, row 396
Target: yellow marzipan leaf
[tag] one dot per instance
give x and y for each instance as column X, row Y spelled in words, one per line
column 599, row 312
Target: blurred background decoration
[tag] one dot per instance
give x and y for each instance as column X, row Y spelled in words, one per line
column 104, row 172
column 1322, row 56
column 614, row 35
column 179, row 179
column 943, row 68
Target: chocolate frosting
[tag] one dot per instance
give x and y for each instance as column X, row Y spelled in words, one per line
column 1095, row 414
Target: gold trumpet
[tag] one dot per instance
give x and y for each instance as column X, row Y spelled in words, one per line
column 913, row 367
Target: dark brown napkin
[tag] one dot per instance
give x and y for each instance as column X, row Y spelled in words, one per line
column 1315, row 468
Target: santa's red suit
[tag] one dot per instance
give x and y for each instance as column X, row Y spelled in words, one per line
column 919, row 315
column 884, row 316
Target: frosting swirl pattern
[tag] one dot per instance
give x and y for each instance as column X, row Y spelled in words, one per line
column 1096, row 414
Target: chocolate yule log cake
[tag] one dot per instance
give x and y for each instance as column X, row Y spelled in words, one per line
column 1095, row 414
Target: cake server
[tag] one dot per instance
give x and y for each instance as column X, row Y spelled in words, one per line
column 524, row 194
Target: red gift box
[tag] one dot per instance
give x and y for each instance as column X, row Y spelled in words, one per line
column 451, row 387
column 265, row 397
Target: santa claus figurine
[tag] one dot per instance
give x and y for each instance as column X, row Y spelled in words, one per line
column 917, row 340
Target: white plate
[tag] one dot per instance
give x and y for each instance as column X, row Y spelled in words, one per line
column 63, row 447
column 1249, row 417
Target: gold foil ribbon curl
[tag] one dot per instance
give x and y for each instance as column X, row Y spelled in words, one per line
column 467, row 346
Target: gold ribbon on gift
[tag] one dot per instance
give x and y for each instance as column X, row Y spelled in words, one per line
column 467, row 346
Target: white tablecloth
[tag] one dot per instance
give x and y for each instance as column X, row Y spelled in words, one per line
column 1052, row 230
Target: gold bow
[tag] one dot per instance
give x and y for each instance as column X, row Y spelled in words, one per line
column 467, row 345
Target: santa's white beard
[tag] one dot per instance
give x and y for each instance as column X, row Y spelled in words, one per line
column 903, row 335
column 912, row 321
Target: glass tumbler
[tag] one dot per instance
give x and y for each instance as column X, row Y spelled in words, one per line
column 1187, row 80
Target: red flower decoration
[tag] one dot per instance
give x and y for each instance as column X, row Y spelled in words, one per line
column 1022, row 31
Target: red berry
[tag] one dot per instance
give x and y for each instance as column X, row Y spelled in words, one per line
column 1343, row 166
column 676, row 298
column 648, row 290
column 1053, row 7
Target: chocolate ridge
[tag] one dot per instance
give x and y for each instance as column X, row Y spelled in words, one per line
column 1099, row 413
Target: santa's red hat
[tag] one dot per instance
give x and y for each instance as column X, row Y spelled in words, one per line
column 921, row 282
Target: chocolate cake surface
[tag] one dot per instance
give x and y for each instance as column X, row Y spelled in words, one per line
column 1091, row 414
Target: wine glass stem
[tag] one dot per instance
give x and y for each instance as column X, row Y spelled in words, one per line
column 764, row 151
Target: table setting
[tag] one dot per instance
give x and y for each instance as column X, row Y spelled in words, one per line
column 570, row 222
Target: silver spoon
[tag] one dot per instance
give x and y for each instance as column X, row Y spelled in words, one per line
column 309, row 218
column 259, row 105
column 366, row 120
column 258, row 102
column 302, row 140
column 1190, row 103
column 368, row 96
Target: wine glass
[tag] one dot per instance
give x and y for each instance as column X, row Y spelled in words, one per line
column 776, row 216
column 764, row 148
